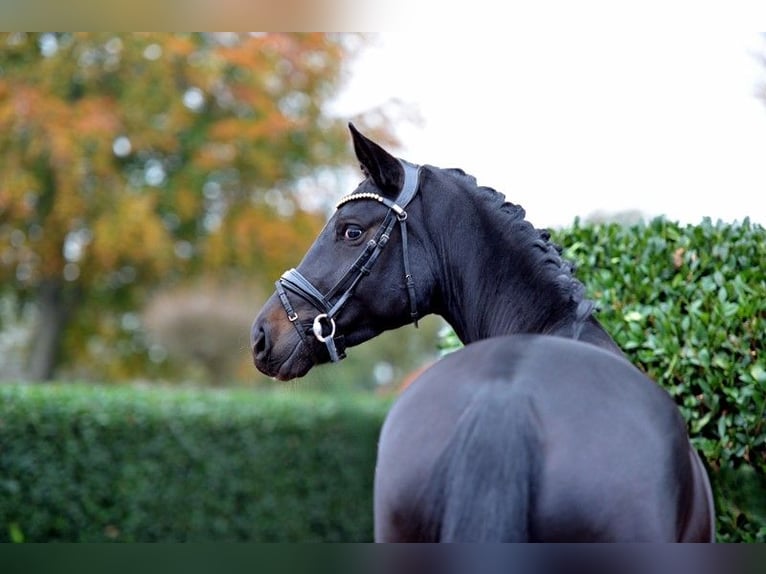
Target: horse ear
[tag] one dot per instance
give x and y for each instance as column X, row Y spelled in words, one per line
column 384, row 169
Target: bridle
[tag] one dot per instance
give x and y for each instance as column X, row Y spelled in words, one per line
column 330, row 304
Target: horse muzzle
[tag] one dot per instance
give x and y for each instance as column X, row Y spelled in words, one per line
column 279, row 351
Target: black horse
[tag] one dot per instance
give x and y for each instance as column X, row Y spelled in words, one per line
column 539, row 429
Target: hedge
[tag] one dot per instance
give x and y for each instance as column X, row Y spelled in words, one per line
column 96, row 464
column 688, row 305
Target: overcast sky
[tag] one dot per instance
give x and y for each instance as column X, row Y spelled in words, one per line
column 569, row 122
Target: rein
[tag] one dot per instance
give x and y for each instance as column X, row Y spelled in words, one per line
column 330, row 304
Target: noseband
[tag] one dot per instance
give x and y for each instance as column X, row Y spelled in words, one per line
column 330, row 304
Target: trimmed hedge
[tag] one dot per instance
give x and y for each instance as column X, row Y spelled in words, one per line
column 688, row 305
column 101, row 464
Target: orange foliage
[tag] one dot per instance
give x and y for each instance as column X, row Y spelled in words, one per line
column 152, row 152
column 255, row 238
column 180, row 45
column 129, row 233
column 95, row 116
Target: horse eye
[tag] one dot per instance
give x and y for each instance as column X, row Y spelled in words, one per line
column 352, row 232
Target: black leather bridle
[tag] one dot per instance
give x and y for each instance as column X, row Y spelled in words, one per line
column 330, row 304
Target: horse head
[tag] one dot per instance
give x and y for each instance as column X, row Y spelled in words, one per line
column 363, row 275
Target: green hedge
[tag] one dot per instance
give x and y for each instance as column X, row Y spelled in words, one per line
column 688, row 305
column 118, row 464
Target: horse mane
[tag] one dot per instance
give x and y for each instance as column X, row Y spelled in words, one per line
column 545, row 255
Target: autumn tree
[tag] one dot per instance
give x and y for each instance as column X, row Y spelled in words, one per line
column 132, row 159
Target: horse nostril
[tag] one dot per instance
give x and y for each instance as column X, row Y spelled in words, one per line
column 260, row 343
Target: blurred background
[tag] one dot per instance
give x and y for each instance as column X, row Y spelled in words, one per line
column 153, row 188
column 155, row 185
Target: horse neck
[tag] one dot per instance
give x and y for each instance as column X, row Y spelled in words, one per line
column 484, row 296
column 500, row 279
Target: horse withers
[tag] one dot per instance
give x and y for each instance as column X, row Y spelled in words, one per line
column 539, row 428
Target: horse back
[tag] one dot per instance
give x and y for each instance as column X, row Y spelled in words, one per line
column 574, row 440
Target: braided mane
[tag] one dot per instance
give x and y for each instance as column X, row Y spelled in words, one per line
column 544, row 254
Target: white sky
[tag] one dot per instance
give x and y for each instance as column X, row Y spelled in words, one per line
column 577, row 120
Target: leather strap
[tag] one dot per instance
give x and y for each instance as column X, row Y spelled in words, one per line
column 408, row 280
column 411, row 183
column 294, row 281
column 297, row 283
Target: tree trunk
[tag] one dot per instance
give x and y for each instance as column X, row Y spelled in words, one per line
column 54, row 303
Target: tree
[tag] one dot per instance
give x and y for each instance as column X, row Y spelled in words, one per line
column 133, row 159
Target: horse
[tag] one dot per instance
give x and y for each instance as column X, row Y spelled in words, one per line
column 539, row 428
